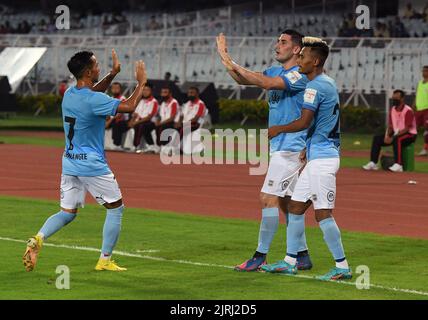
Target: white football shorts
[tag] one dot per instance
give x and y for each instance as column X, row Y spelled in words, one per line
column 282, row 173
column 104, row 189
column 317, row 183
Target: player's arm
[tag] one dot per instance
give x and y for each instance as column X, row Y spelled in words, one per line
column 300, row 124
column 225, row 59
column 131, row 103
column 104, row 83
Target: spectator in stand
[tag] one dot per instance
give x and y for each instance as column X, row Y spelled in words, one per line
column 421, row 108
column 143, row 120
column 400, row 133
column 425, row 13
column 119, row 122
column 153, row 24
column 381, row 30
column 408, row 11
column 168, row 111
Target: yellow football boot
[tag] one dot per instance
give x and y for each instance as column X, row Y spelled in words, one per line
column 109, row 265
column 34, row 245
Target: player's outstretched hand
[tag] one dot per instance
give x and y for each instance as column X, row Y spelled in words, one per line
column 140, row 72
column 222, row 51
column 116, row 63
column 273, row 131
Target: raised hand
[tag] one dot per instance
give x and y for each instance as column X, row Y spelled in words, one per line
column 116, row 64
column 222, row 51
column 140, row 72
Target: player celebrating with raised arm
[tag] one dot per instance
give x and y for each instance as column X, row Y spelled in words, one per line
column 286, row 86
column 317, row 182
column 84, row 166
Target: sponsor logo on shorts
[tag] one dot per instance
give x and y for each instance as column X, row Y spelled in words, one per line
column 270, row 183
column 61, row 191
column 284, row 184
column 314, row 197
column 330, row 196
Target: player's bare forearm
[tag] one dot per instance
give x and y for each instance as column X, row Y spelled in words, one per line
column 238, row 79
column 130, row 104
column 259, row 79
column 297, row 125
column 104, row 83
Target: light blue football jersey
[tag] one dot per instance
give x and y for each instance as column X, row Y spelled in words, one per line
column 323, row 137
column 285, row 106
column 84, row 115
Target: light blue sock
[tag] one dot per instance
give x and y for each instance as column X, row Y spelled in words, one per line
column 56, row 222
column 111, row 229
column 268, row 227
column 295, row 232
column 303, row 246
column 332, row 238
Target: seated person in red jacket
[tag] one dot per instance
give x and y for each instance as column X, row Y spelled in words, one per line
column 119, row 122
column 144, row 118
column 401, row 132
column 193, row 110
column 167, row 113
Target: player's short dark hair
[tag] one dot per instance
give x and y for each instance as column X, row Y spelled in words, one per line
column 296, row 37
column 149, row 85
column 318, row 47
column 193, row 88
column 116, row 83
column 425, row 67
column 79, row 62
column 401, row 92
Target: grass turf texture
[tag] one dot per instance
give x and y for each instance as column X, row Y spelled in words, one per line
column 393, row 261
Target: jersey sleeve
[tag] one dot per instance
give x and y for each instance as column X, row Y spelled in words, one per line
column 103, row 105
column 311, row 97
column 294, row 81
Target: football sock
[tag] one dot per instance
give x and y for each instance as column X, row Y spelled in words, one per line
column 55, row 222
column 333, row 239
column 295, row 232
column 303, row 248
column 268, row 227
column 111, row 230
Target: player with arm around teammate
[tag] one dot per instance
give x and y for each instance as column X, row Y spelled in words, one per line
column 286, row 86
column 317, row 182
column 84, row 166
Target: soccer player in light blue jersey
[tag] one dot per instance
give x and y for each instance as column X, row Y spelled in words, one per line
column 317, row 183
column 84, row 166
column 286, row 86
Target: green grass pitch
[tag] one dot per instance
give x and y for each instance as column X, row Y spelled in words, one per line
column 191, row 258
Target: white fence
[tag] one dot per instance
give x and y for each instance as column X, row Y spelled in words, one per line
column 362, row 65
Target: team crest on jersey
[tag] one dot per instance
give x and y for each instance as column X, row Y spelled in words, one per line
column 293, row 76
column 309, row 96
column 330, row 196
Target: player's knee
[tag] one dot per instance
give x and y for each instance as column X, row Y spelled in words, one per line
column 113, row 205
column 297, row 207
column 74, row 211
column 322, row 214
column 268, row 200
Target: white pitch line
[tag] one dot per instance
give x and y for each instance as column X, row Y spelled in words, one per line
column 148, row 251
column 133, row 255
